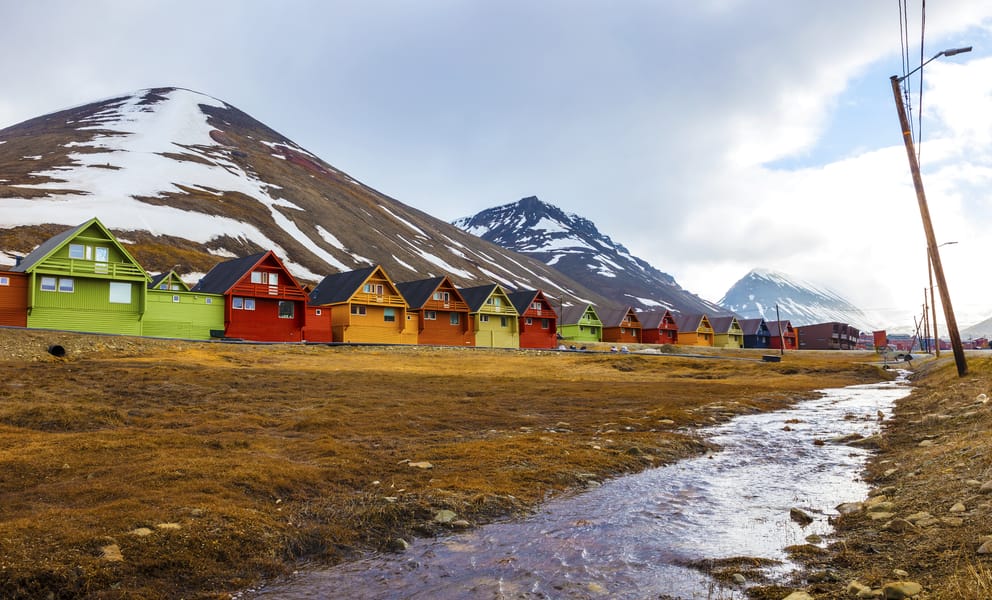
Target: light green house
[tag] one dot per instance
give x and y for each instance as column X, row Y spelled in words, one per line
column 727, row 332
column 496, row 321
column 84, row 280
column 173, row 311
column 580, row 323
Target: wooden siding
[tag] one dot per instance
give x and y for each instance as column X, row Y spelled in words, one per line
column 496, row 330
column 263, row 324
column 318, row 324
column 182, row 314
column 588, row 328
column 87, row 307
column 13, row 299
column 441, row 332
column 541, row 332
column 372, row 327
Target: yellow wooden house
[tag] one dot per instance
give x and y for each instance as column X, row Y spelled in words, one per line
column 493, row 315
column 694, row 329
column 366, row 307
column 727, row 332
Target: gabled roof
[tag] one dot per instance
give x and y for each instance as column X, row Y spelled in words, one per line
column 340, row 287
column 52, row 244
column 653, row 319
column 752, row 326
column 571, row 314
column 689, row 321
column 417, row 293
column 225, row 275
column 613, row 317
column 774, row 326
column 170, row 277
column 722, row 324
column 522, row 299
column 476, row 296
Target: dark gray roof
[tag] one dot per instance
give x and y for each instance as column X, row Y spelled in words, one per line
column 46, row 247
column 156, row 279
column 476, row 296
column 224, row 275
column 752, row 326
column 417, row 293
column 521, row 299
column 652, row 319
column 613, row 317
column 774, row 326
column 340, row 287
column 721, row 324
column 572, row 314
column 688, row 321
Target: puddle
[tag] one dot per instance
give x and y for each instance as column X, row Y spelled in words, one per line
column 631, row 537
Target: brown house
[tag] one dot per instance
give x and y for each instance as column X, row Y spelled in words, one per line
column 439, row 310
column 827, row 336
column 621, row 325
column 13, row 299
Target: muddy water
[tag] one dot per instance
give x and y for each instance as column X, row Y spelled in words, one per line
column 631, row 537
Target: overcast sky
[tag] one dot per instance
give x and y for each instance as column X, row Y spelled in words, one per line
column 709, row 137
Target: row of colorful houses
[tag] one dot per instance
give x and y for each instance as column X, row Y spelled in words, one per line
column 84, row 279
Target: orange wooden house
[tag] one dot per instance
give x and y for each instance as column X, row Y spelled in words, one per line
column 621, row 325
column 538, row 319
column 366, row 307
column 694, row 329
column 440, row 312
column 659, row 327
column 13, row 299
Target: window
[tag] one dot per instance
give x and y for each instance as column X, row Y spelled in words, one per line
column 164, row 286
column 454, row 319
column 102, row 254
column 68, row 285
column 317, row 312
column 77, row 251
column 287, row 310
column 493, row 301
column 483, row 318
column 529, row 321
column 545, row 323
column 430, row 315
column 372, row 288
column 237, row 303
column 249, row 304
column 175, row 298
column 208, row 300
column 389, row 315
column 536, row 306
column 358, row 309
column 48, row 284
column 264, row 278
column 120, row 293
column 502, row 322
column 4, row 280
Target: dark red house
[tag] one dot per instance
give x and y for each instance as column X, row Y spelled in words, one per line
column 659, row 327
column 781, row 332
column 263, row 301
column 538, row 319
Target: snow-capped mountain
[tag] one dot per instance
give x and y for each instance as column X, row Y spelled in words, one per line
column 572, row 245
column 186, row 180
column 801, row 302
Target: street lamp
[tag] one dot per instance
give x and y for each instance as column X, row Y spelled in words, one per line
column 933, row 305
column 914, row 167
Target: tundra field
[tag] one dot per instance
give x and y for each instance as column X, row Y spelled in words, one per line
column 140, row 468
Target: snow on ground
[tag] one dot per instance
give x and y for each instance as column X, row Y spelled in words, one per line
column 406, row 266
column 416, row 229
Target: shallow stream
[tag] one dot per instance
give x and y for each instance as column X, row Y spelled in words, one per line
column 632, row 537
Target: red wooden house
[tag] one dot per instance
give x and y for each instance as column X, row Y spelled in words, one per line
column 621, row 325
column 13, row 299
column 441, row 312
column 659, row 327
column 538, row 319
column 264, row 302
column 781, row 332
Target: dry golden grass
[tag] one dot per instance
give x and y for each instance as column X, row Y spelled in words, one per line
column 209, row 466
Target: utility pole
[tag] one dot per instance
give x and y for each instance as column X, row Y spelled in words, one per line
column 781, row 336
column 938, row 268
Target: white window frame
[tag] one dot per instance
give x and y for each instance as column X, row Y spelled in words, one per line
column 49, row 284
column 389, row 315
column 175, row 298
column 455, row 318
column 430, row 315
column 77, row 251
column 358, row 310
column 237, row 303
column 249, row 304
column 117, row 292
column 292, row 309
column 4, row 280
column 67, row 285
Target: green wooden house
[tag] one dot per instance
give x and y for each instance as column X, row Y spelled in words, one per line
column 494, row 318
column 173, row 311
column 580, row 323
column 84, row 280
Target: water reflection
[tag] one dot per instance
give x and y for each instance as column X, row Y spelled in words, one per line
column 632, row 537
